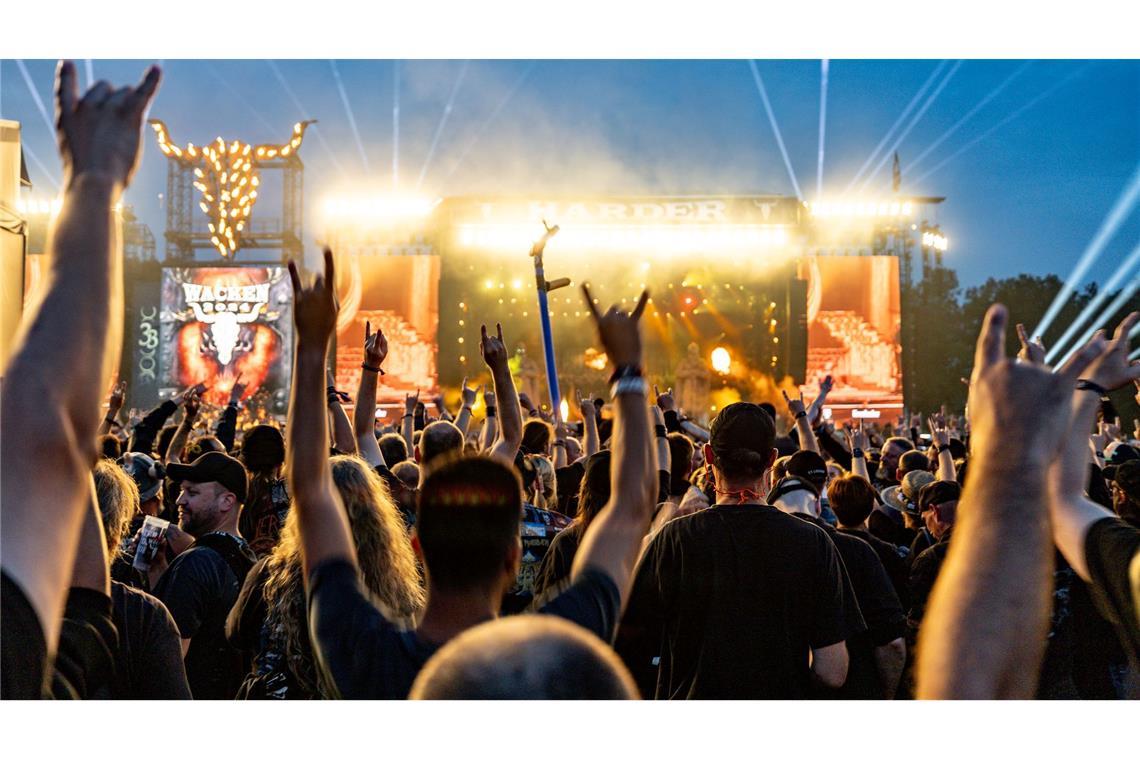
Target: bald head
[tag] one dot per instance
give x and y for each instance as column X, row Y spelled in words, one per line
column 525, row 657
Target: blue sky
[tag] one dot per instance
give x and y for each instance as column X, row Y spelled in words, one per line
column 1026, row 198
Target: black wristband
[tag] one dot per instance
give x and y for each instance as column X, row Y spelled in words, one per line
column 109, row 420
column 367, row 366
column 1089, row 385
column 801, row 415
column 857, row 453
column 490, row 411
column 625, row 370
column 559, row 443
column 660, row 431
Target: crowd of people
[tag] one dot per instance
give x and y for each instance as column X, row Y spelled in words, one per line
column 769, row 556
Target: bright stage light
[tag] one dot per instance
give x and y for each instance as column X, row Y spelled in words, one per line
column 935, row 241
column 660, row 239
column 721, row 360
column 564, row 409
column 860, row 208
column 379, row 209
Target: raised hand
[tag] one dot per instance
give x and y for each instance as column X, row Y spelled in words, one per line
column 585, row 405
column 939, row 433
column 194, row 390
column 410, row 402
column 826, row 386
column 100, row 134
column 1032, row 351
column 315, row 307
column 238, row 390
column 191, row 404
column 856, row 438
column 1013, row 401
column 1112, row 370
column 375, row 346
column 469, row 394
column 115, row 402
column 526, row 403
column 492, row 348
column 795, row 405
column 620, row 332
column 489, row 399
column 665, row 400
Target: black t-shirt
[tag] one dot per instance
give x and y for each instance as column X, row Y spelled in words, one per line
column 148, row 663
column 368, row 657
column 881, row 609
column 23, row 649
column 199, row 588
column 1112, row 550
column 886, row 527
column 894, row 559
column 85, row 660
column 732, row 599
column 569, row 480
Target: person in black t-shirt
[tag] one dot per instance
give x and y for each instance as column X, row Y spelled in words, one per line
column 203, row 581
column 148, row 662
column 878, row 652
column 468, row 520
column 593, row 494
column 852, row 500
column 738, row 600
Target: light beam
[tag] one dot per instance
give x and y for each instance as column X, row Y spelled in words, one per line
column 1108, row 227
column 775, row 126
column 823, row 66
column 898, row 123
column 1113, row 283
column 442, row 121
column 914, row 162
column 490, row 119
column 47, row 121
column 303, row 113
column 1056, row 86
column 1103, row 318
column 351, row 117
column 90, row 69
column 913, row 122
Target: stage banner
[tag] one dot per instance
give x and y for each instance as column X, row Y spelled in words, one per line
column 221, row 324
column 854, row 322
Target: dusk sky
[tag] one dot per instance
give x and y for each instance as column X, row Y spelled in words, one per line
column 1026, row 197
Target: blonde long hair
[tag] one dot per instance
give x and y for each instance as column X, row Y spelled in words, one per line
column 383, row 552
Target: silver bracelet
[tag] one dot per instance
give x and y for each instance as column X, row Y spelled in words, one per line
column 637, row 385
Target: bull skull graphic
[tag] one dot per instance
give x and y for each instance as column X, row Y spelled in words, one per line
column 226, row 176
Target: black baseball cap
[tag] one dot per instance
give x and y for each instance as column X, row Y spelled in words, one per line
column 213, row 467
column 809, row 466
column 938, row 492
column 1127, row 478
column 742, row 425
column 1123, row 453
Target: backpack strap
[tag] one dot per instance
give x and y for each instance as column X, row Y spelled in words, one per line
column 232, row 549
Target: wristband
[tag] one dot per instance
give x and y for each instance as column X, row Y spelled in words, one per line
column 532, row 413
column 623, row 371
column 800, row 415
column 109, row 420
column 659, row 430
column 367, row 366
column 630, row 384
column 857, row 453
column 559, row 443
column 490, row 411
column 1089, row 385
column 1100, row 455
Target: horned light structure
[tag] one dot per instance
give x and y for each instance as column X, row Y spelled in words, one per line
column 226, row 175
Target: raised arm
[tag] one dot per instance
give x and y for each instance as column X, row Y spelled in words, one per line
column 490, row 423
column 68, row 343
column 364, row 414
column 660, row 438
column 469, row 395
column 803, row 427
column 320, row 515
column 857, row 443
column 1071, row 513
column 114, row 404
column 983, row 636
column 613, row 539
column 190, row 407
column 589, row 412
column 408, row 421
column 226, row 430
column 343, row 439
column 940, row 440
column 494, row 353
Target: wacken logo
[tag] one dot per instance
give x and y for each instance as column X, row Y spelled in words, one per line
column 225, row 308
